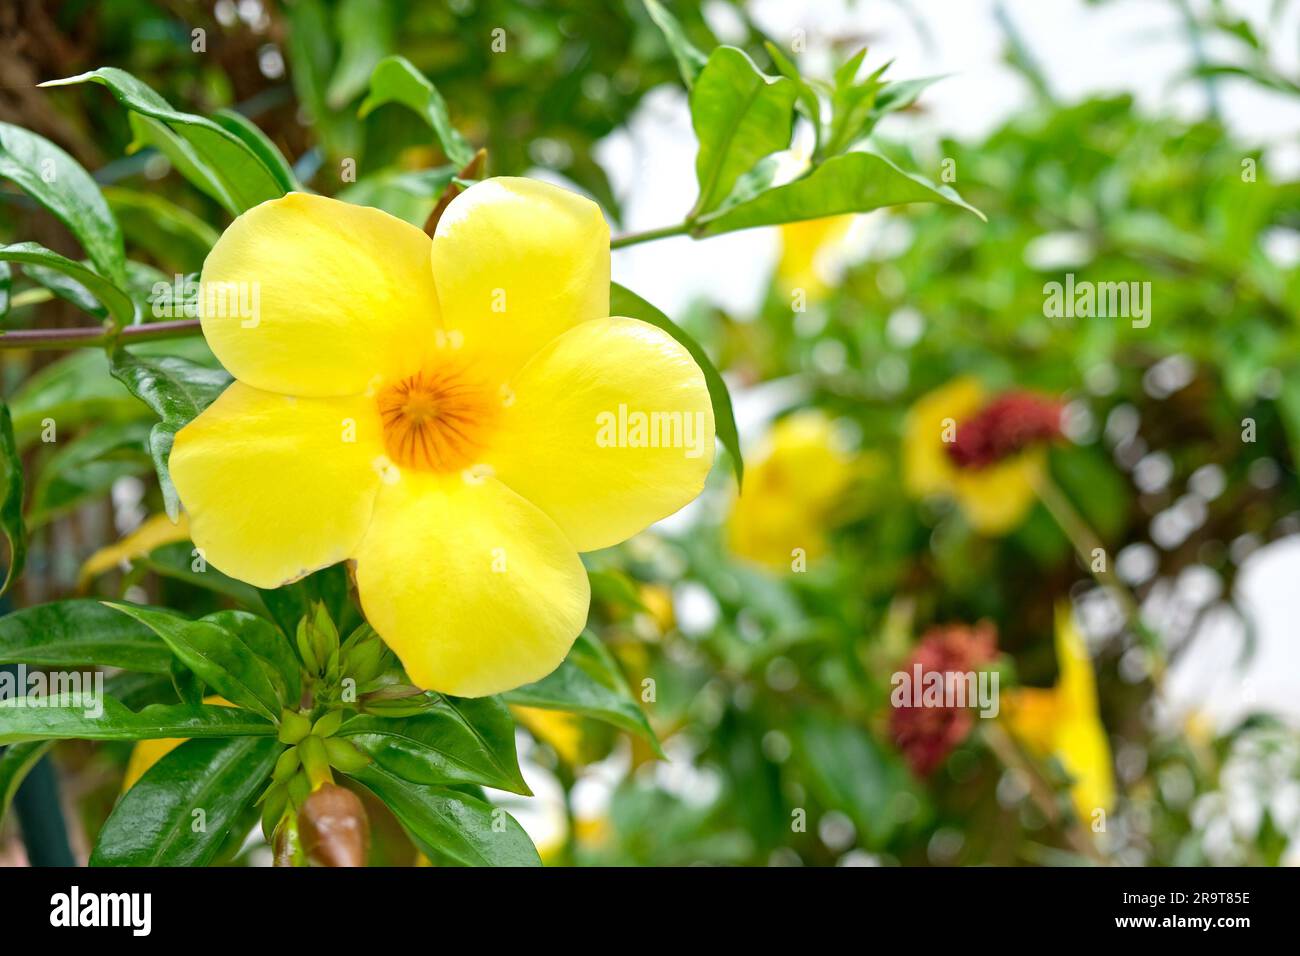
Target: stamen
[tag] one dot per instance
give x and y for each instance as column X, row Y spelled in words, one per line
column 436, row 420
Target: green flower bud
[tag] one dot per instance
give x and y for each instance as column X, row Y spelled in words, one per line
column 275, row 800
column 328, row 724
column 344, row 755
column 293, row 727
column 286, row 766
column 315, row 761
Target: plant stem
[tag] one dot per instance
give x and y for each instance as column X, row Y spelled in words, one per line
column 97, row 336
column 632, row 238
column 1044, row 797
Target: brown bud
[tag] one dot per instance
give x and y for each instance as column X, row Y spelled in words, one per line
column 334, row 828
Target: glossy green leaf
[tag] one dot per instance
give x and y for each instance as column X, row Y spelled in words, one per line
column 89, row 716
column 456, row 741
column 806, row 94
column 183, row 156
column 11, row 504
column 88, row 467
column 289, row 603
column 241, row 172
column 217, row 655
column 448, row 825
column 589, row 683
column 252, row 136
column 177, row 390
column 740, row 115
column 69, row 392
column 207, row 781
column 852, row 183
column 624, row 302
column 180, row 561
column 265, row 640
column 80, row 633
column 112, row 297
column 57, row 181
column 395, row 80
column 688, row 56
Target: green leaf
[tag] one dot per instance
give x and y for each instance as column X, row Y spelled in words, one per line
column 79, row 633
column 154, row 822
column 688, row 56
column 16, row 761
column 174, row 236
column 289, row 603
column 11, row 505
column 365, row 31
column 57, row 181
column 6, row 284
column 226, row 157
column 71, row 391
column 852, row 183
column 265, row 640
column 395, row 80
column 177, row 390
column 88, row 467
column 178, row 561
column 455, row 741
column 114, row 298
column 589, row 683
column 740, row 115
column 252, row 136
column 806, row 95
column 625, row 302
column 146, row 131
column 448, row 825
column 218, row 656
column 101, row 717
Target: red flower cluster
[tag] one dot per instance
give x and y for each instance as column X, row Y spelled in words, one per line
column 927, row 734
column 1008, row 424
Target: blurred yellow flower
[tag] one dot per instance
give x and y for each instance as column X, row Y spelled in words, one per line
column 1063, row 721
column 458, row 415
column 146, row 753
column 805, row 247
column 560, row 729
column 153, row 533
column 793, row 485
column 995, row 492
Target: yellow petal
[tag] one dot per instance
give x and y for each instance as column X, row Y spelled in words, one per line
column 277, row 486
column 517, row 262
column 561, row 730
column 804, row 248
column 153, row 533
column 995, row 499
column 609, row 428
column 311, row 296
column 475, row 589
column 927, row 469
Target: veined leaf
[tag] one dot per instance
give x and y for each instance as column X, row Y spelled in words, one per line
column 740, row 115
column 181, row 153
column 689, row 58
column 11, row 504
column 153, row 823
column 80, row 633
column 101, row 717
column 447, row 824
column 218, row 656
column 395, row 80
column 252, row 136
column 455, row 741
column 180, row 561
column 852, row 183
column 265, row 640
column 74, row 389
column 57, row 181
column 177, row 390
column 589, row 683
column 625, row 302
column 113, row 298
column 226, row 156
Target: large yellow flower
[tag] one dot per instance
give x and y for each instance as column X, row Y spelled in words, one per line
column 437, row 410
column 805, row 247
column 994, row 498
column 1063, row 721
column 793, row 485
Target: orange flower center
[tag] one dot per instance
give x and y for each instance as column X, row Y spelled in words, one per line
column 437, row 420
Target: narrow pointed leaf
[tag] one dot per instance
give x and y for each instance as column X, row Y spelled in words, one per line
column 111, row 296
column 81, row 633
column 91, row 716
column 395, row 80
